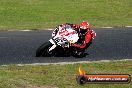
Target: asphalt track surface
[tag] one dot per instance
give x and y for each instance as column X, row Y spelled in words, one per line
column 19, row 47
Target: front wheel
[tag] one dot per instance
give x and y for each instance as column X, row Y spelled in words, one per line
column 43, row 50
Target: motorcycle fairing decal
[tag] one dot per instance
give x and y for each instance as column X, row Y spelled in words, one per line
column 69, row 34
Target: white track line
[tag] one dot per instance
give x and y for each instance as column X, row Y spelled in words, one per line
column 128, row 26
column 50, row 29
column 106, row 27
column 65, row 63
column 78, row 62
column 53, row 29
column 25, row 30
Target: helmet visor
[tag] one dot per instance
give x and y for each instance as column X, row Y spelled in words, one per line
column 83, row 27
column 83, row 31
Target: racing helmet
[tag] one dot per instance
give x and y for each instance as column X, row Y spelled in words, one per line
column 84, row 27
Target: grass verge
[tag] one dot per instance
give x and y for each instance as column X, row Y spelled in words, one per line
column 60, row 76
column 41, row 14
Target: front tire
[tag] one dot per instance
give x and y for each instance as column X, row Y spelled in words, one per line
column 43, row 50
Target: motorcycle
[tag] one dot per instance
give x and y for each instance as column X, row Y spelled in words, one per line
column 60, row 44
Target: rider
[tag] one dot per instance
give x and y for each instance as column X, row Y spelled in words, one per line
column 85, row 35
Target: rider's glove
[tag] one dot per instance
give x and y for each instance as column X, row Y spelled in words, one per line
column 93, row 34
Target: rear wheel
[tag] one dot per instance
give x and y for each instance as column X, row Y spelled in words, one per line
column 43, row 50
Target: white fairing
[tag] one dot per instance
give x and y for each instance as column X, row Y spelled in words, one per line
column 68, row 33
column 72, row 38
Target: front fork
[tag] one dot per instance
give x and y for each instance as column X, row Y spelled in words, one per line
column 54, row 45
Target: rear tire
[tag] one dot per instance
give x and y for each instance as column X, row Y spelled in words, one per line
column 43, row 50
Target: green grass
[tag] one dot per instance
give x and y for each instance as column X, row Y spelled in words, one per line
column 42, row 14
column 60, row 76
